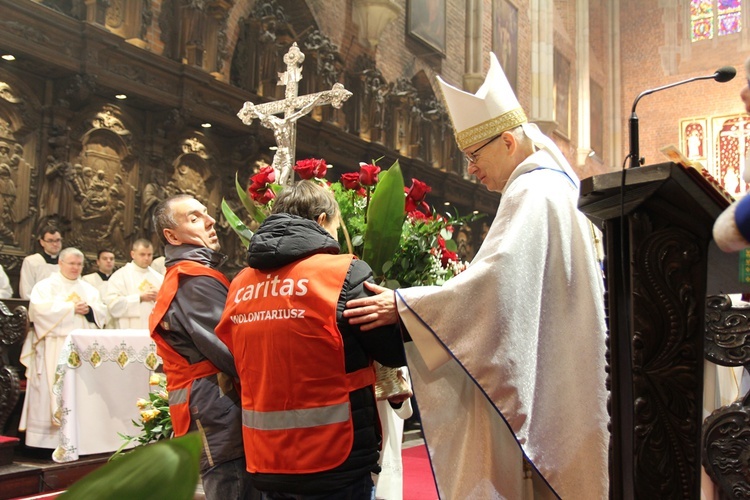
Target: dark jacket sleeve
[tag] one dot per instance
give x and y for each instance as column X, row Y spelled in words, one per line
column 194, row 313
column 383, row 344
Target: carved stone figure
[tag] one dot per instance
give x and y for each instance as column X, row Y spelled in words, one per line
column 153, row 194
column 96, row 195
column 7, row 201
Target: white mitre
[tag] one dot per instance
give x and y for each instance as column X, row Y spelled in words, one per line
column 493, row 110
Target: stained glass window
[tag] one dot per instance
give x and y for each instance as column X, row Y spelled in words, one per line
column 705, row 21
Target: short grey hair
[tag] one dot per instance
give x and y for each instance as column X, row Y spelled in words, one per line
column 163, row 217
column 69, row 251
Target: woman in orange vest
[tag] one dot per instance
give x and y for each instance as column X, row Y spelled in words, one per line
column 310, row 425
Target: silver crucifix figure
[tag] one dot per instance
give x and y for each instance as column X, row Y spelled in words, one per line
column 294, row 107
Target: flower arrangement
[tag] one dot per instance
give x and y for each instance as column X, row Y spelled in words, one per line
column 155, row 422
column 387, row 225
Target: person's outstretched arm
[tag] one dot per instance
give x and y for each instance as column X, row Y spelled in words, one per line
column 373, row 312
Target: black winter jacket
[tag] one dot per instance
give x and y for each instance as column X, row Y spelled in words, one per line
column 281, row 240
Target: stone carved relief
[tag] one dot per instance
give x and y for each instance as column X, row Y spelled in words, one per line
column 264, row 39
column 76, row 91
column 17, row 129
column 94, row 189
column 201, row 28
column 153, row 193
column 401, row 100
column 191, row 171
column 323, row 67
column 434, row 121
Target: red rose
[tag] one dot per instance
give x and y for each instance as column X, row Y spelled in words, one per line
column 260, row 189
column 446, row 256
column 415, row 196
column 416, row 215
column 350, row 180
column 418, row 190
column 266, row 175
column 262, row 196
column 368, row 175
column 311, row 167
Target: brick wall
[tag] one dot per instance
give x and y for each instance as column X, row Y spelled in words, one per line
column 643, row 32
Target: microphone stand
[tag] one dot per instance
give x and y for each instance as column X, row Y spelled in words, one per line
column 634, row 155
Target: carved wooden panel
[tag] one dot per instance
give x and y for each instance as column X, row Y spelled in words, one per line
column 13, row 328
column 726, row 442
column 667, row 358
column 727, row 332
column 726, row 432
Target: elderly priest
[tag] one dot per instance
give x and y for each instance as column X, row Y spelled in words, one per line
column 58, row 304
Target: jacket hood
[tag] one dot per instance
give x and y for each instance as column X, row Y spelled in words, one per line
column 284, row 238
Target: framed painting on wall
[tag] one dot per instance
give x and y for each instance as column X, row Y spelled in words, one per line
column 505, row 38
column 695, row 139
column 561, row 94
column 426, row 23
column 730, row 143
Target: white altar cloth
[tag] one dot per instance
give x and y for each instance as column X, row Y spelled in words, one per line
column 100, row 376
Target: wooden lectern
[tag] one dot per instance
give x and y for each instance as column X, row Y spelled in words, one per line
column 657, row 231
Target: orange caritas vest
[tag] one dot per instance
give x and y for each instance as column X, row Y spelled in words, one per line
column 180, row 373
column 281, row 326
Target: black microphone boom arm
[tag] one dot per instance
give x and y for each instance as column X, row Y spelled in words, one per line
column 723, row 74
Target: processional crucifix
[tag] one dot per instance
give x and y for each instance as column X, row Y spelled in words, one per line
column 294, row 107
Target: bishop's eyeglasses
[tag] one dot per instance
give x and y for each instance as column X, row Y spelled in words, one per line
column 472, row 157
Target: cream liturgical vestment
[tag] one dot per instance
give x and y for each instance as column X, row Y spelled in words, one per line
column 516, row 343
column 33, row 270
column 96, row 280
column 52, row 310
column 124, row 291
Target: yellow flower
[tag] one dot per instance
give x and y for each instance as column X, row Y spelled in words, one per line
column 164, row 395
column 142, row 403
column 148, row 415
column 154, row 379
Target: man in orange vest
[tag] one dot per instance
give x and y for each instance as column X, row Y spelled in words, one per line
column 200, row 369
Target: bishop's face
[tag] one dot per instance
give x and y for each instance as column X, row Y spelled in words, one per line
column 491, row 161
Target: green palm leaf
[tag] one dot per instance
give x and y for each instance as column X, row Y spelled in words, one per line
column 168, row 469
column 385, row 219
column 236, row 224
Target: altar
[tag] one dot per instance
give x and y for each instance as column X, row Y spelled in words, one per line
column 100, row 376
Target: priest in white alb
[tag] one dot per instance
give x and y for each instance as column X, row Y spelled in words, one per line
column 59, row 304
column 508, row 358
column 132, row 289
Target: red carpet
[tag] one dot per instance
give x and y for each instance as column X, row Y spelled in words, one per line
column 419, row 484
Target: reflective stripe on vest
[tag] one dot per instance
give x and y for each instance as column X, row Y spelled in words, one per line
column 295, row 419
column 178, row 396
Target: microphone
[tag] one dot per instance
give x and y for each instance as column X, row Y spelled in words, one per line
column 721, row 75
column 724, row 74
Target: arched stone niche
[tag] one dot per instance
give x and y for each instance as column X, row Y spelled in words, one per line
column 95, row 189
column 192, row 171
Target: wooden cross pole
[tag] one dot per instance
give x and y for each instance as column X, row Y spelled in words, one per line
column 293, row 107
